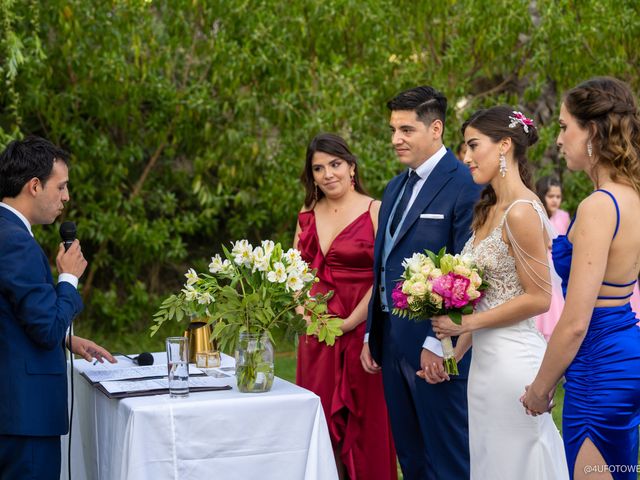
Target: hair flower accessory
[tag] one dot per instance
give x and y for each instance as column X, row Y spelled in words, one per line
column 520, row 118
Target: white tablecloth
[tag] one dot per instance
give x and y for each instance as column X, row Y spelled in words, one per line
column 226, row 435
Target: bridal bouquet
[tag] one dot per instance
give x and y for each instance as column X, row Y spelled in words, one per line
column 438, row 284
column 252, row 290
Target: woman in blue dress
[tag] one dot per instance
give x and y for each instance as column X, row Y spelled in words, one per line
column 596, row 344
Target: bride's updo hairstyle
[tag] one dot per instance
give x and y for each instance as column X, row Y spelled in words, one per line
column 498, row 123
column 607, row 108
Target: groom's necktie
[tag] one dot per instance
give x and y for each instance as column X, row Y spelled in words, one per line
column 413, row 177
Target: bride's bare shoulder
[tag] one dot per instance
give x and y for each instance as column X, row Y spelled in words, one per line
column 524, row 213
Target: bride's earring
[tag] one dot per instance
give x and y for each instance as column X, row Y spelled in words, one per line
column 315, row 193
column 589, row 149
column 503, row 165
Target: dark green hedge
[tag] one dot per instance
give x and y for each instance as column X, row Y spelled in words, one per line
column 188, row 120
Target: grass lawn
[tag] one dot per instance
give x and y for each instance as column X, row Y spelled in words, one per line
column 285, row 365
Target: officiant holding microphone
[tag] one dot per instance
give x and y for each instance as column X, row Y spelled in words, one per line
column 35, row 313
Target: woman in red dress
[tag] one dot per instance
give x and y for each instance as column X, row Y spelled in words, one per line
column 335, row 234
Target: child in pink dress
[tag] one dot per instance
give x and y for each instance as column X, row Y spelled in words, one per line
column 550, row 192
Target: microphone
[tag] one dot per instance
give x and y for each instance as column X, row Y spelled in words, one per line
column 68, row 234
column 144, row 359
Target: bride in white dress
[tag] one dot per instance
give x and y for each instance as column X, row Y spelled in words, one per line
column 509, row 242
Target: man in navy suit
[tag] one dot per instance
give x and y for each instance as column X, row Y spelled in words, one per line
column 429, row 206
column 34, row 313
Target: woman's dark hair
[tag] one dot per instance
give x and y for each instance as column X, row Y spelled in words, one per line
column 330, row 144
column 495, row 123
column 542, row 188
column 607, row 107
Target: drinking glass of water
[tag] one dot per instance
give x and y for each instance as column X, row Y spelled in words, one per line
column 178, row 366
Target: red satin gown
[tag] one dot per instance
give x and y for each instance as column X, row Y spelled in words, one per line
column 352, row 399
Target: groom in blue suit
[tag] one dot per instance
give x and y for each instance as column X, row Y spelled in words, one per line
column 428, row 206
column 34, row 312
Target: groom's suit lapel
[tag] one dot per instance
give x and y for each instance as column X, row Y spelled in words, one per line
column 389, row 200
column 436, row 181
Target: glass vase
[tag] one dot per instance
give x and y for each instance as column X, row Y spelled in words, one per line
column 254, row 363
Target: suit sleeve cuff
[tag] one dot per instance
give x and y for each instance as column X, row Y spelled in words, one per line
column 366, row 337
column 69, row 278
column 433, row 344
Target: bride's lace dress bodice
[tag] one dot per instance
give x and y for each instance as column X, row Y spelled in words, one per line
column 492, row 255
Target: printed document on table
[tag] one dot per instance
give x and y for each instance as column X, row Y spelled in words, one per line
column 132, row 373
column 120, row 386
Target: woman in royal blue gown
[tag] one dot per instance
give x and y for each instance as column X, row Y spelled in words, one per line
column 596, row 344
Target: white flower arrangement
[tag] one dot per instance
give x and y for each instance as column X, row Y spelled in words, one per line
column 252, row 290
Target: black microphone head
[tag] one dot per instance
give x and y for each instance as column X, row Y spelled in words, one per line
column 145, row 358
column 68, row 233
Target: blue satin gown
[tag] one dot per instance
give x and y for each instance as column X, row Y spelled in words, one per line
column 602, row 389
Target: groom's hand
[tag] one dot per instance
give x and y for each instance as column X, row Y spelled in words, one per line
column 368, row 363
column 432, row 367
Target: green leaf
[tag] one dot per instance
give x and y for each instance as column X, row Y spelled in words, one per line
column 434, row 258
column 322, row 333
column 335, row 322
column 330, row 339
column 312, row 328
column 456, row 317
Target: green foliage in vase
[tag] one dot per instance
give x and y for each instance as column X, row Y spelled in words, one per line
column 252, row 290
column 247, row 374
column 254, row 372
column 188, row 119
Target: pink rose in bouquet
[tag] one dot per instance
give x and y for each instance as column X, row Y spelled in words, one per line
column 399, row 298
column 452, row 287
